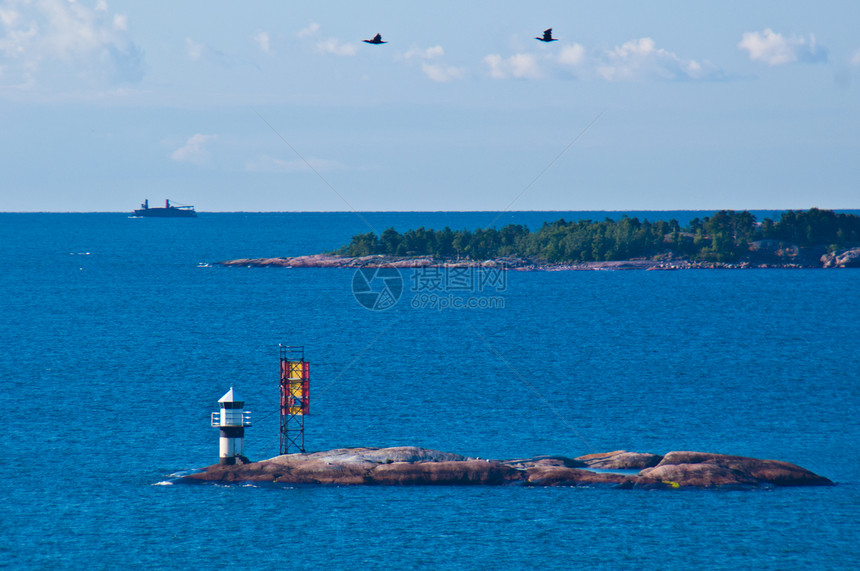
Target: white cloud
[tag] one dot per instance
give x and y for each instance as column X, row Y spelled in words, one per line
column 494, row 62
column 64, row 42
column 71, row 29
column 520, row 66
column 200, row 52
column 773, row 48
column 437, row 71
column 855, row 58
column 636, row 60
column 641, row 59
column 334, row 46
column 262, row 40
column 194, row 151
column 572, row 55
column 312, row 29
column 9, row 17
column 442, row 73
column 268, row 164
column 429, row 53
column 194, row 49
column 21, row 41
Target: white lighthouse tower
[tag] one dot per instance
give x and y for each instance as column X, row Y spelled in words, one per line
column 232, row 420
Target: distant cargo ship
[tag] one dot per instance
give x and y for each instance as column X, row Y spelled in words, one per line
column 168, row 211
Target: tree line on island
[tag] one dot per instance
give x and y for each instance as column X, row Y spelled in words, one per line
column 726, row 236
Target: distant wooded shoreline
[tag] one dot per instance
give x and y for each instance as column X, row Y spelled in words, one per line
column 726, row 240
column 799, row 238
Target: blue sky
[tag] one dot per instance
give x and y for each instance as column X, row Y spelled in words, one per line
column 279, row 106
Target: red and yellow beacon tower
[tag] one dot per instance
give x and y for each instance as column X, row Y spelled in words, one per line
column 295, row 401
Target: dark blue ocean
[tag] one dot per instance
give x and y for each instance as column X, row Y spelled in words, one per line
column 117, row 342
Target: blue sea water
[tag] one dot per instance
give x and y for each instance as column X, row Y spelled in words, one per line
column 117, row 341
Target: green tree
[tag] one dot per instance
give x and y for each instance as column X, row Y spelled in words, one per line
column 389, row 241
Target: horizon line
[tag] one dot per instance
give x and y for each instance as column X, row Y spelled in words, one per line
column 432, row 211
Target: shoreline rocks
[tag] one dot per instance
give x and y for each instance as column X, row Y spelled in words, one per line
column 845, row 259
column 334, row 261
column 413, row 466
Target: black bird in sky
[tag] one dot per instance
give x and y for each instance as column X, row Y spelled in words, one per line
column 377, row 39
column 547, row 36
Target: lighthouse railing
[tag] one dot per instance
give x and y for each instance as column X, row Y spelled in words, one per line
column 232, row 420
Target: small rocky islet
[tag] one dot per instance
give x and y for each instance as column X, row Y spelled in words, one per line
column 414, row 466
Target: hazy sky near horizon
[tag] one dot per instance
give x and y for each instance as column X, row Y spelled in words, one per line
column 279, row 106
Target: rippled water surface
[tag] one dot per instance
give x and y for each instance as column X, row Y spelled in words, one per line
column 117, row 345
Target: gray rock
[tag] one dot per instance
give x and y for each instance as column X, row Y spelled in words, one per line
column 562, row 461
column 373, row 456
column 702, row 469
column 844, row 259
column 561, row 476
column 620, row 460
column 698, row 476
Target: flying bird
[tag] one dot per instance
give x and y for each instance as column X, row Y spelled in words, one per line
column 377, row 39
column 547, row 36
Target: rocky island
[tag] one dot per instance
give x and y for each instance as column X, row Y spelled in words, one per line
column 804, row 239
column 409, row 465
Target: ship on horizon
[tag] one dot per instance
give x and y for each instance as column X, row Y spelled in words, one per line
column 169, row 211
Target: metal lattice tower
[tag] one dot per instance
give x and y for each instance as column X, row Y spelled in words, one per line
column 295, row 402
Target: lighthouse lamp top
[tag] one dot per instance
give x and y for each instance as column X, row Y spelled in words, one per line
column 229, row 400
